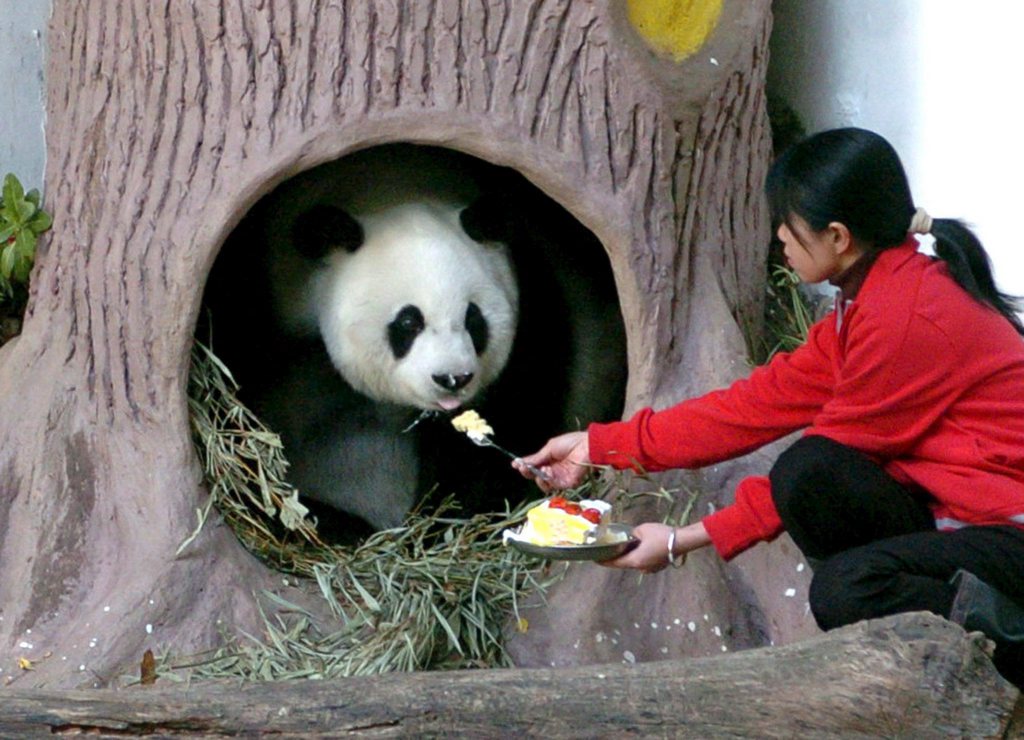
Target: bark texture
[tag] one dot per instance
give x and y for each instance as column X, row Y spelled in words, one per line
column 907, row 676
column 168, row 120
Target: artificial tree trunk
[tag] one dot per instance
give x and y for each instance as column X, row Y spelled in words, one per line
column 167, row 121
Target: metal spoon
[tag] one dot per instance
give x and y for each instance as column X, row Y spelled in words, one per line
column 481, row 440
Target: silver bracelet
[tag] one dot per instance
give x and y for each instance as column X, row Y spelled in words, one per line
column 671, row 551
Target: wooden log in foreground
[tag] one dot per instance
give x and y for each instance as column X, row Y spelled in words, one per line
column 913, row 675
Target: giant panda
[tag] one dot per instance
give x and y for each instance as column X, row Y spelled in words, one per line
column 386, row 300
column 401, row 282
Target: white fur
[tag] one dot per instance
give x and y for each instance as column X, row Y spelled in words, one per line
column 408, row 202
column 415, row 253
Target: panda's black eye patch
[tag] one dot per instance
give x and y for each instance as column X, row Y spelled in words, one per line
column 476, row 326
column 403, row 330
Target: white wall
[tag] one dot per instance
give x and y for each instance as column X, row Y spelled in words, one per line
column 22, row 35
column 941, row 79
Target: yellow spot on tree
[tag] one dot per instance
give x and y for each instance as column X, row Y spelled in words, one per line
column 676, row 28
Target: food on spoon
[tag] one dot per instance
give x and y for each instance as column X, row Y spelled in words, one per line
column 473, row 425
column 558, row 521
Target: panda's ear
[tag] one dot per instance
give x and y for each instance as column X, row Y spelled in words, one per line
column 323, row 228
column 488, row 219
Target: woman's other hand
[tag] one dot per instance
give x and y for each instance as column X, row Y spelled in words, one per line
column 651, row 554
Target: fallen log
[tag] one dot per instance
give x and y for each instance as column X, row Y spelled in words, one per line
column 912, row 675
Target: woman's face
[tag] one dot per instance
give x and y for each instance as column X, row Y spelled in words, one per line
column 816, row 255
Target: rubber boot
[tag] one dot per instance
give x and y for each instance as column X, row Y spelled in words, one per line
column 978, row 607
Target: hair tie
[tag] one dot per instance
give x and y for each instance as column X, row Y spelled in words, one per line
column 921, row 223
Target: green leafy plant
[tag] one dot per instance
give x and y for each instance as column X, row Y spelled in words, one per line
column 22, row 220
column 789, row 313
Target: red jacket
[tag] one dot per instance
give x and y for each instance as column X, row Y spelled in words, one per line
column 917, row 374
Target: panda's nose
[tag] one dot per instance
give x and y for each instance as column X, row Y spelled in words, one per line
column 453, row 382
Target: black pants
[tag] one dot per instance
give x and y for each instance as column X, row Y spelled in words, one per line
column 876, row 539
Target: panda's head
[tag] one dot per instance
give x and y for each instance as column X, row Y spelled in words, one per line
column 416, row 302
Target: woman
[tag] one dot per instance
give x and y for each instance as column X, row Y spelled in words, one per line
column 906, row 489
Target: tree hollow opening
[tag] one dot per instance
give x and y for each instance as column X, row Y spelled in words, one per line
column 350, row 317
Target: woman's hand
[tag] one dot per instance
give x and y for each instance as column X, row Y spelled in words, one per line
column 564, row 460
column 651, row 554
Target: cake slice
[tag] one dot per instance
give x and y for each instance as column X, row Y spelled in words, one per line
column 557, row 521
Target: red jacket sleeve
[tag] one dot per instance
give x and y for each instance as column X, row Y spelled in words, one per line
column 752, row 519
column 773, row 401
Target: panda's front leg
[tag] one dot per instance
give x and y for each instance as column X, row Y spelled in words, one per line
column 369, row 472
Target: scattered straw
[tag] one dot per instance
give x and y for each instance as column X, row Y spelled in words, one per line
column 435, row 593
column 243, row 464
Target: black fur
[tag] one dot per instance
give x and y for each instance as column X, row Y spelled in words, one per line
column 488, row 219
column 323, row 228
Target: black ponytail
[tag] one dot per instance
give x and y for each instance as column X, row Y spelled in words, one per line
column 855, row 177
column 969, row 264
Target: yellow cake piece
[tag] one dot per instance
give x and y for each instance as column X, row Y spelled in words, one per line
column 556, row 527
column 548, row 525
column 472, row 424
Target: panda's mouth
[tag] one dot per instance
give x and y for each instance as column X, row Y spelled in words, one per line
column 449, row 403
